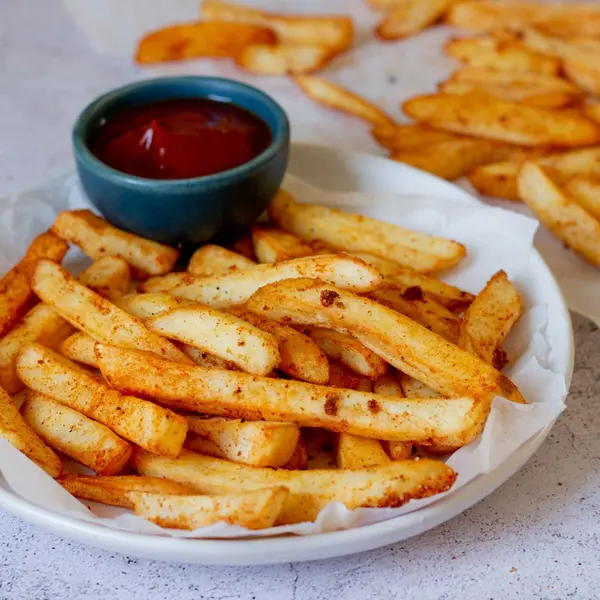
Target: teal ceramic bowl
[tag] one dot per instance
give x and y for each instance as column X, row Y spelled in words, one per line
column 185, row 212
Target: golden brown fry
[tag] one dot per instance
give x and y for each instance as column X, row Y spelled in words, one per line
column 144, row 306
column 98, row 238
column 584, row 75
column 413, row 388
column 503, row 121
column 109, row 276
column 410, row 137
column 585, row 190
column 272, row 244
column 234, row 394
column 498, row 180
column 68, row 431
column 200, row 40
column 341, row 376
column 337, row 97
column 356, row 233
column 384, row 486
column 146, row 424
column 79, row 347
column 15, row 287
column 164, row 283
column 285, row 59
column 559, row 213
column 411, row 16
column 216, row 260
column 355, row 452
column 205, row 359
column 299, row 459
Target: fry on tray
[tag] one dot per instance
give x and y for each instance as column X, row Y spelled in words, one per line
column 337, row 97
column 497, row 179
column 357, row 233
column 79, row 347
column 584, row 76
column 70, row 432
column 288, row 59
column 272, row 244
column 355, row 452
column 146, row 424
column 411, row 16
column 585, row 190
column 384, row 486
column 216, row 260
column 98, row 238
column 109, row 276
column 299, row 459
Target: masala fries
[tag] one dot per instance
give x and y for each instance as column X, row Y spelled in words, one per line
column 284, row 59
column 586, row 191
column 79, row 348
column 216, row 260
column 411, row 16
column 272, row 244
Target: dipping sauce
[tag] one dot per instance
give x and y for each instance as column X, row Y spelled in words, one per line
column 179, row 139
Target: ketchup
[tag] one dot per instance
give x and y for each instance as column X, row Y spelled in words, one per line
column 179, row 139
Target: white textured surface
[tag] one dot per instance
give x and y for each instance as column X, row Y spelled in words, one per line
column 537, row 537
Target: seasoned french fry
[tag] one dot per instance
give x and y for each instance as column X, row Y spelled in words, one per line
column 577, row 162
column 234, row 394
column 355, row 452
column 79, row 347
column 299, row 459
column 402, row 342
column 221, row 334
column 496, row 179
column 257, row 509
column 584, row 75
column 109, row 276
column 144, row 306
column 14, row 429
column 98, row 238
column 310, row 491
column 272, row 244
column 341, row 376
column 503, row 121
column 585, row 190
column 411, row 16
column 235, row 288
column 561, row 214
column 205, row 359
column 288, row 59
column 216, row 260
column 15, row 287
column 410, row 137
column 356, row 233
column 349, row 351
column 258, row 443
column 337, row 97
column 150, row 426
column 200, row 40
column 115, row 490
column 94, row 315
column 164, row 283
column 89, row 443
column 413, row 388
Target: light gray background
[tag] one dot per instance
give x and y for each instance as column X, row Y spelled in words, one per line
column 536, row 537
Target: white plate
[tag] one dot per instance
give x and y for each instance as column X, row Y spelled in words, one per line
column 331, row 169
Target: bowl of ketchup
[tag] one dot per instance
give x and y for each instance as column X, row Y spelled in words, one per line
column 182, row 160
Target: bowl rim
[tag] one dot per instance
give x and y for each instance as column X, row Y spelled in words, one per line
column 83, row 154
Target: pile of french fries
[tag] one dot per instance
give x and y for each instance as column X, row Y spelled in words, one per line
column 327, row 362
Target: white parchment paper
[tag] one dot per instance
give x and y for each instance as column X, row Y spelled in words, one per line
column 495, row 239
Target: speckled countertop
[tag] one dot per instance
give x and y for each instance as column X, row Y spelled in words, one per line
column 536, row 537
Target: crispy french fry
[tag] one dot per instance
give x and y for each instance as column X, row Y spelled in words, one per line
column 164, row 283
column 79, row 347
column 355, row 452
column 94, row 315
column 258, row 443
column 216, row 260
column 243, row 245
column 584, row 75
column 496, row 179
column 413, row 388
column 489, row 319
column 349, row 351
column 299, row 459
column 341, row 376
column 235, row 288
column 150, row 426
column 234, row 394
column 14, row 429
column 200, row 40
column 221, row 334
column 288, row 59
column 109, row 276
column 257, row 509
column 301, row 357
column 310, row 491
column 205, row 359
column 410, row 137
column 337, row 97
column 402, row 342
column 115, row 490
column 89, row 443
column 411, row 16
column 561, row 214
column 272, row 244
column 98, row 238
column 585, row 190
column 577, row 162
column 503, row 121
column 15, row 287
column 356, row 233
column 144, row 306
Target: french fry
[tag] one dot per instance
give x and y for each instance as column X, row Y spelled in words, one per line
column 489, row 319
column 68, row 431
column 243, row 245
column 384, row 486
column 205, row 359
column 109, row 276
column 235, row 288
column 356, row 233
column 411, row 16
column 239, row 395
column 15, row 287
column 349, row 351
column 355, row 452
column 258, row 443
column 410, row 137
column 200, row 40
column 402, row 342
column 116, row 490
column 257, row 509
column 288, row 59
column 164, row 283
column 337, row 97
column 413, row 388
column 150, row 426
column 94, row 315
column 584, row 75
column 98, row 238
column 341, row 376
column 498, row 180
column 559, row 213
column 299, row 459
column 503, row 121
column 79, row 347
column 577, row 162
column 301, row 356
column 221, row 334
column 272, row 244
column 14, row 429
column 216, row 260
column 585, row 190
